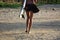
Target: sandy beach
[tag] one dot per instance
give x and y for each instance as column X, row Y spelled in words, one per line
column 46, row 24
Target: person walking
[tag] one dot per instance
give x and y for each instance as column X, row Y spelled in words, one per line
column 30, row 8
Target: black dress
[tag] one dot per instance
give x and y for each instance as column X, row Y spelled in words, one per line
column 31, row 7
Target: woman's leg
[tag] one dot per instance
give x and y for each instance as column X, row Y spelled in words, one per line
column 29, row 20
column 27, row 13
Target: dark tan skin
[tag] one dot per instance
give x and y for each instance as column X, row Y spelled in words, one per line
column 29, row 20
column 29, row 17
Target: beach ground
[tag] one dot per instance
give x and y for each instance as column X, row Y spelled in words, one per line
column 46, row 24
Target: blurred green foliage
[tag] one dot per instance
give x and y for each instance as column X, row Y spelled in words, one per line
column 9, row 5
column 16, row 5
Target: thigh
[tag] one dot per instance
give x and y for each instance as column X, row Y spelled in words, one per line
column 29, row 14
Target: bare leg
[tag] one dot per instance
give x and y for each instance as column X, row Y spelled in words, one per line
column 27, row 13
column 29, row 21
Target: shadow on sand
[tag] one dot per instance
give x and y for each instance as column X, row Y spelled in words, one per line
column 15, row 26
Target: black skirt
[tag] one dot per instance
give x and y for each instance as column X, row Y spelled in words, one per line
column 32, row 7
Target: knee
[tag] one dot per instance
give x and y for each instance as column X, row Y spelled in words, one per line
column 29, row 17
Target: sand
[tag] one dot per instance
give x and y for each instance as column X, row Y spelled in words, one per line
column 46, row 24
